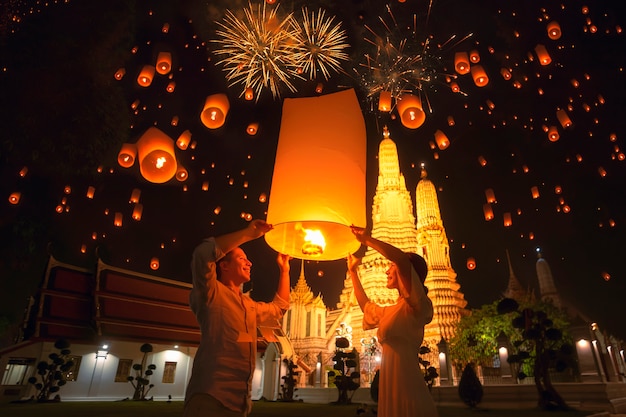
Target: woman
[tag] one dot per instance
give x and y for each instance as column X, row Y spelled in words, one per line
column 402, row 389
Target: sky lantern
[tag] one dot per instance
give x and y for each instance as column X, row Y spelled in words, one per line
column 490, row 195
column 318, row 184
column 181, row 174
column 215, row 110
column 117, row 220
column 563, row 118
column 384, row 101
column 164, row 62
column 482, row 161
column 171, row 86
column 553, row 134
column 146, row 75
column 461, row 62
column 543, row 55
column 248, row 93
column 319, row 88
column 534, row 191
column 479, row 76
column 154, row 263
column 137, row 212
column 126, row 156
column 134, row 196
column 14, row 198
column 450, row 121
column 488, row 211
column 23, row 171
column 119, row 74
column 506, row 74
column 474, row 56
column 410, row 110
column 91, row 190
column 471, row 263
column 252, row 129
column 183, row 140
column 554, row 30
column 508, row 222
column 205, row 187
column 455, row 87
column 157, row 161
column 442, row 140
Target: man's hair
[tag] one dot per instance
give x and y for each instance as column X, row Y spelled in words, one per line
column 419, row 265
column 218, row 270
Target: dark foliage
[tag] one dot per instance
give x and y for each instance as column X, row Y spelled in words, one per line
column 346, row 376
column 288, row 387
column 470, row 388
column 141, row 380
column 51, row 375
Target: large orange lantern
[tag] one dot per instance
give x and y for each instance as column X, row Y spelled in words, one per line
column 145, row 76
column 164, row 63
column 442, row 140
column 554, row 30
column 410, row 111
column 126, row 156
column 157, row 160
column 461, row 63
column 14, row 198
column 479, row 76
column 384, row 101
column 318, row 185
column 543, row 55
column 215, row 110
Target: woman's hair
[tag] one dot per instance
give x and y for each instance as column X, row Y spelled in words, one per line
column 419, row 264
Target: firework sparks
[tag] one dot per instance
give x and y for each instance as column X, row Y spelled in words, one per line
column 259, row 52
column 321, row 44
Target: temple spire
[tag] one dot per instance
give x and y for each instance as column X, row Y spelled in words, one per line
column 514, row 289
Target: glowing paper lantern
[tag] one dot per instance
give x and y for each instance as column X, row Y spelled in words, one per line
column 554, row 30
column 91, row 190
column 181, row 174
column 563, row 118
column 490, row 195
column 248, row 94
column 543, row 55
column 410, row 110
column 455, row 87
column 154, row 263
column 442, row 140
column 23, row 171
column 137, row 212
column 474, row 56
column 117, row 221
column 215, row 110
column 252, row 129
column 145, row 76
column 157, row 161
column 183, row 140
column 461, row 63
column 535, row 192
column 384, row 101
column 318, row 185
column 134, row 196
column 553, row 134
column 14, row 198
column 171, row 86
column 479, row 76
column 471, row 263
column 126, row 156
column 319, row 88
column 119, row 74
column 506, row 74
column 164, row 63
column 507, row 219
column 488, row 212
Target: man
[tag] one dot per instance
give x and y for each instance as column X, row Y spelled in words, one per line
column 221, row 377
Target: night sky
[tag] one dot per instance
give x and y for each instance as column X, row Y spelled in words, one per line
column 65, row 116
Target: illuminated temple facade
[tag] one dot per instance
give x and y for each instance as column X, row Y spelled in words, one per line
column 393, row 221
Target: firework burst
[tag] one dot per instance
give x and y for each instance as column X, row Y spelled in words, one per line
column 321, row 44
column 402, row 64
column 260, row 51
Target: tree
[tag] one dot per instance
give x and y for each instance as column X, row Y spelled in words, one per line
column 430, row 372
column 346, row 377
column 288, row 387
column 52, row 374
column 141, row 382
column 542, row 345
column 470, row 388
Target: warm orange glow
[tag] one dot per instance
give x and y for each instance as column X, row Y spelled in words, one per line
column 23, row 171
column 118, row 219
column 126, row 156
column 479, row 76
column 554, row 30
column 490, row 195
column 157, row 160
column 474, row 56
column 314, row 243
column 488, row 212
column 119, row 74
column 506, row 74
column 248, row 94
column 154, row 263
column 146, row 75
column 14, row 198
column 461, row 63
column 455, row 87
column 252, row 129
column 174, row 121
column 319, row 176
column 319, row 88
column 171, row 86
column 553, row 134
column 543, row 55
column 215, row 110
column 164, row 63
column 471, row 263
column 183, row 140
column 442, row 140
column 165, row 28
column 482, row 161
column 384, row 101
column 410, row 110
column 450, row 121
column 534, row 191
column 563, row 118
column 181, row 174
column 134, row 196
column 137, row 212
column 507, row 219
column 91, row 190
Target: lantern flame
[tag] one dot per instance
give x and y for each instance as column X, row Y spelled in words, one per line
column 314, row 242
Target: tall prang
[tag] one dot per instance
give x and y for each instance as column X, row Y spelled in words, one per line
column 432, row 244
column 393, row 222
